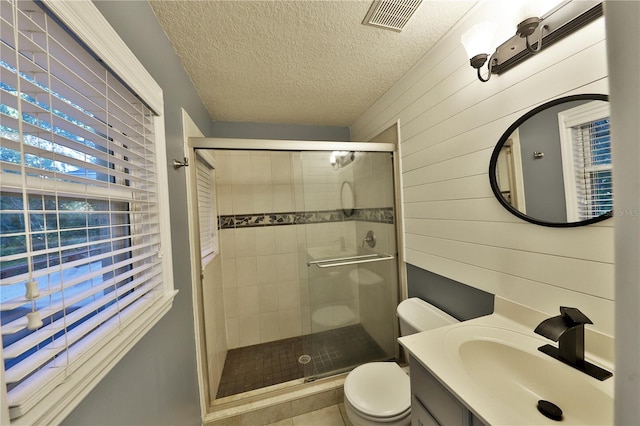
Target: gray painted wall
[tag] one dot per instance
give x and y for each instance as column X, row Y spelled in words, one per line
column 226, row 129
column 156, row 382
column 543, row 178
column 458, row 300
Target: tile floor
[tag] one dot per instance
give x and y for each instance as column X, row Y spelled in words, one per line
column 329, row 416
column 266, row 364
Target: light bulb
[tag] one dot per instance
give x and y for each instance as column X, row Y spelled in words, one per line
column 479, row 39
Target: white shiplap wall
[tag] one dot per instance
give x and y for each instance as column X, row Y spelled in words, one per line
column 449, row 124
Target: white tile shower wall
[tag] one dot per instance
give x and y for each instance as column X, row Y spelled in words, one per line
column 259, row 265
column 255, row 182
column 266, row 292
column 373, row 174
column 262, row 295
column 214, row 319
column 269, row 291
column 321, row 182
column 450, row 122
column 331, row 290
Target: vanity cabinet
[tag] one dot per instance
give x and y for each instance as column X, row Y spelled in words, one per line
column 432, row 404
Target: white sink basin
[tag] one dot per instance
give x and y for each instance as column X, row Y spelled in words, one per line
column 507, row 366
column 492, row 365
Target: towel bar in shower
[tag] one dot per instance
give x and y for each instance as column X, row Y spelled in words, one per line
column 350, row 260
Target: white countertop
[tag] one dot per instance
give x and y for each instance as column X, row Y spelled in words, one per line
column 508, row 395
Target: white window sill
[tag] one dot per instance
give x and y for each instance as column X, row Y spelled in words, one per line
column 59, row 403
column 208, row 259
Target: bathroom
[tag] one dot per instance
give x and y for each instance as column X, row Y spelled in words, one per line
column 449, row 123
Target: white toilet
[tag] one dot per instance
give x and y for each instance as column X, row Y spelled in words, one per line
column 379, row 393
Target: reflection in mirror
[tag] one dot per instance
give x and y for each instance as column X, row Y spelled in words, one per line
column 553, row 165
column 347, row 199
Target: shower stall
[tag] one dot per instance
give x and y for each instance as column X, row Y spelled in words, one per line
column 308, row 250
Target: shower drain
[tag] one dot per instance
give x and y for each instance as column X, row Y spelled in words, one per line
column 304, row 359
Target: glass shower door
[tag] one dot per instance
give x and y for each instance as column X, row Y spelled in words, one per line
column 349, row 283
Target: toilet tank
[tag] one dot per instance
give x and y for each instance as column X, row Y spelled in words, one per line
column 416, row 315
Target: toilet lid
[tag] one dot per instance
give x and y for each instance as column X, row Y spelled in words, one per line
column 379, row 389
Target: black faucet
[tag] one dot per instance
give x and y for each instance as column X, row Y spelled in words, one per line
column 568, row 330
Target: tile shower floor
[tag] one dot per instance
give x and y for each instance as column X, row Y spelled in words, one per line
column 266, row 364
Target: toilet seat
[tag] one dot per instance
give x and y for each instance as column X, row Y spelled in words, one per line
column 379, row 391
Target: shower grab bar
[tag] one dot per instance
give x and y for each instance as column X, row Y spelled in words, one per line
column 353, row 260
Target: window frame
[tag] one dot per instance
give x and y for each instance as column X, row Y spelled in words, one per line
column 206, row 159
column 567, row 120
column 88, row 24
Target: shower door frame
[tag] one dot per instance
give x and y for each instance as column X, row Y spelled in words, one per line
column 194, row 143
column 287, row 145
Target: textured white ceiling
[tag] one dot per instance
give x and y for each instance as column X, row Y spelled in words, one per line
column 297, row 61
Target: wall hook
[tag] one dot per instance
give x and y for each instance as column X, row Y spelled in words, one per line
column 177, row 163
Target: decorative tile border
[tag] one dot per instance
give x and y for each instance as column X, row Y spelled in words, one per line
column 379, row 215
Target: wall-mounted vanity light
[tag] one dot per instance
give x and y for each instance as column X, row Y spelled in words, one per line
column 534, row 33
column 477, row 41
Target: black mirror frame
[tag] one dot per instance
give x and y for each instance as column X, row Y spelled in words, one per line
column 503, row 139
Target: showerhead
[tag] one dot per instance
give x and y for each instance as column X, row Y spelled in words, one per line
column 340, row 159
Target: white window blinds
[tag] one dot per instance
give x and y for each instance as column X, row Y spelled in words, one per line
column 207, row 217
column 586, row 147
column 592, row 157
column 79, row 213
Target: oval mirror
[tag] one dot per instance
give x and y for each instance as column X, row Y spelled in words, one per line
column 347, row 199
column 552, row 166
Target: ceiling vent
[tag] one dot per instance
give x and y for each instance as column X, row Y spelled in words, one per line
column 391, row 14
